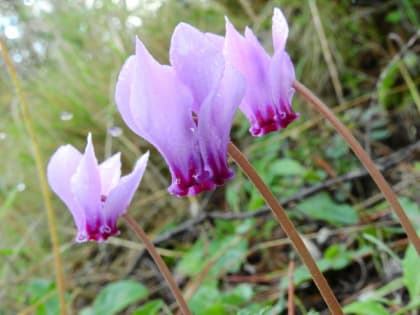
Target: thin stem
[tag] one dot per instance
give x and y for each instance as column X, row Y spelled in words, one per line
column 326, row 51
column 159, row 262
column 366, row 161
column 39, row 162
column 288, row 228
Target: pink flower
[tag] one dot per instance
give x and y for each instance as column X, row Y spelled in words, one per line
column 157, row 102
column 267, row 101
column 95, row 194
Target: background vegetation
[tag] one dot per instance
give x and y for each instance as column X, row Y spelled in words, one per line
column 68, row 54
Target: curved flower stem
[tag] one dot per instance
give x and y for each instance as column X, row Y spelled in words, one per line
column 366, row 161
column 39, row 162
column 159, row 262
column 288, row 228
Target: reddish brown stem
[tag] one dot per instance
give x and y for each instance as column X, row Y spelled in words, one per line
column 159, row 262
column 288, row 228
column 365, row 159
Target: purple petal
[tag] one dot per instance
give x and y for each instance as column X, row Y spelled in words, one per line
column 120, row 197
column 161, row 107
column 280, row 30
column 282, row 76
column 123, row 92
column 199, row 63
column 250, row 59
column 215, row 121
column 110, row 172
column 86, row 185
column 61, row 167
column 217, row 40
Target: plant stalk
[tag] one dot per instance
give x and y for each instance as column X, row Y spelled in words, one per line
column 159, row 262
column 288, row 228
column 365, row 159
column 39, row 162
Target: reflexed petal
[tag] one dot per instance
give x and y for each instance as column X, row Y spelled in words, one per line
column 123, row 92
column 110, row 172
column 215, row 121
column 61, row 167
column 250, row 59
column 120, row 197
column 86, row 184
column 199, row 63
column 280, row 30
column 282, row 76
column 161, row 107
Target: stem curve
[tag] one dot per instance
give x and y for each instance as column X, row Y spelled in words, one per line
column 288, row 228
column 358, row 150
column 159, row 262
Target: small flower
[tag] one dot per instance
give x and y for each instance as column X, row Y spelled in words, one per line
column 157, row 102
column 267, row 102
column 96, row 195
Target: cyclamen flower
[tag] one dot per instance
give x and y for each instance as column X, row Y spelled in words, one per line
column 96, row 195
column 157, row 102
column 267, row 102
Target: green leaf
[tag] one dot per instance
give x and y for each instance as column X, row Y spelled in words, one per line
column 337, row 148
column 87, row 311
column 287, row 167
column 412, row 209
column 394, row 17
column 234, row 250
column 7, row 251
column 40, row 288
column 322, row 207
column 232, row 259
column 337, row 256
column 150, row 308
column 380, row 134
column 239, row 295
column 117, row 296
column 365, row 308
column 207, row 300
column 385, row 85
column 411, row 275
column 8, row 202
column 256, row 309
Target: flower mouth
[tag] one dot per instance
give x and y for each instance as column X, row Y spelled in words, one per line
column 197, row 183
column 99, row 232
column 274, row 120
column 288, row 118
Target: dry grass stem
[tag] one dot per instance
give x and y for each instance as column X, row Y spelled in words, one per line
column 39, row 162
